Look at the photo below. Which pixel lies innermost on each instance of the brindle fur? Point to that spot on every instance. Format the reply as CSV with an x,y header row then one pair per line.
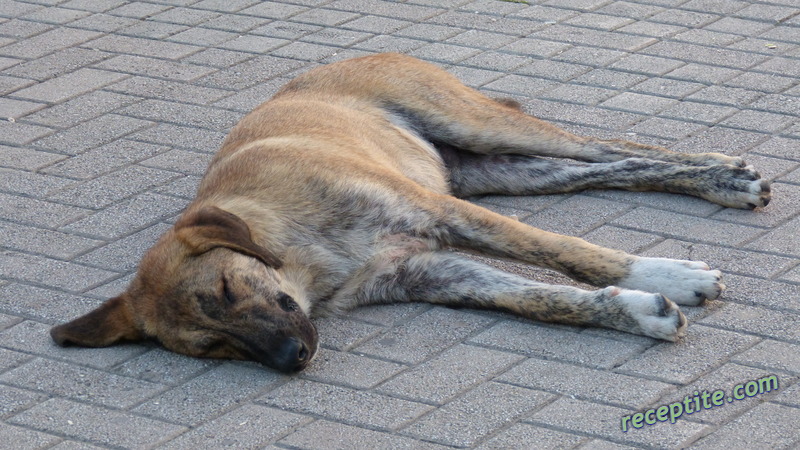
x,y
341,191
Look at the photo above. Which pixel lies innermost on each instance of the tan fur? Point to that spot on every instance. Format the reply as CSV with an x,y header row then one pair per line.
x,y
339,192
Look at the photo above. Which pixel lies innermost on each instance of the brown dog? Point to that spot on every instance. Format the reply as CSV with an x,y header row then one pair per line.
x,y
339,192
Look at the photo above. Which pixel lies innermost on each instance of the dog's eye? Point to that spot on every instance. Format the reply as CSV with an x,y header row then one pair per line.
x,y
228,295
287,303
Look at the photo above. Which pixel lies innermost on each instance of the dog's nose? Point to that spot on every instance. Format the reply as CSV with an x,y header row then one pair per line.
x,y
294,355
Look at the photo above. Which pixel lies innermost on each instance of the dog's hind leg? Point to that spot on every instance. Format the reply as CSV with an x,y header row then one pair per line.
x,y
472,174
450,279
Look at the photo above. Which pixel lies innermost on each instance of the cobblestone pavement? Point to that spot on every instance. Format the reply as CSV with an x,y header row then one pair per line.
x,y
111,109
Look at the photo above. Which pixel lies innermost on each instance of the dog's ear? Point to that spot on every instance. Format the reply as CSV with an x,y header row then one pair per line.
x,y
107,325
212,227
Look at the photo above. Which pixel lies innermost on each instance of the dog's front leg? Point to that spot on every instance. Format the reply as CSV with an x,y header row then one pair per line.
x,y
447,278
476,229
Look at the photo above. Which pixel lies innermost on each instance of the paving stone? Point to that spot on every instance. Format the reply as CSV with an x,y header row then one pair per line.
x,y
43,304
26,159
698,112
760,292
29,183
142,47
440,379
191,163
583,115
45,242
164,367
250,73
770,243
768,425
621,239
93,133
128,216
24,438
789,396
522,435
325,435
761,321
553,70
348,369
576,215
759,121
111,187
556,343
81,384
699,72
729,141
353,407
471,417
183,114
224,5
69,85
487,22
8,360
50,272
17,108
104,159
185,187
207,396
666,128
652,29
687,227
124,254
430,333
138,10
17,134
584,36
7,321
342,334
522,85
47,42
585,383
236,23
177,136
98,425
81,108
36,212
702,344
606,421
772,355
17,28
249,426
103,22
13,400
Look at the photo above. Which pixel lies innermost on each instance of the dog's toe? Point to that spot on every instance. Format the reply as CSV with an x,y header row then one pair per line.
x,y
684,282
652,315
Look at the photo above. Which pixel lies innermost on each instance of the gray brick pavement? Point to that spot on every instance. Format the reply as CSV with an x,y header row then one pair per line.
x,y
110,110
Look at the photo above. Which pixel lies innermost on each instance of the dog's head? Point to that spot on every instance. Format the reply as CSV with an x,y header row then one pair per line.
x,y
207,290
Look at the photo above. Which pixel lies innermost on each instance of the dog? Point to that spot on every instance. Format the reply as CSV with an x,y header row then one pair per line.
x,y
345,189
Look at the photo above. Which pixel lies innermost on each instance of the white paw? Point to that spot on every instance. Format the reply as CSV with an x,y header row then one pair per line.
x,y
652,314
683,282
